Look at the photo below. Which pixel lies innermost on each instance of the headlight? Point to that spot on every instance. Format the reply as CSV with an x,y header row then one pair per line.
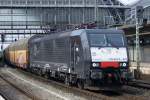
x,y
95,64
123,64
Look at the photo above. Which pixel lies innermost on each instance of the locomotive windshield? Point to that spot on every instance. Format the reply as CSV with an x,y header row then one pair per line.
x,y
97,39
106,40
115,40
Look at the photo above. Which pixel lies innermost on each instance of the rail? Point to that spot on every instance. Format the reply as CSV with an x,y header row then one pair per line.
x,y
89,94
27,93
140,84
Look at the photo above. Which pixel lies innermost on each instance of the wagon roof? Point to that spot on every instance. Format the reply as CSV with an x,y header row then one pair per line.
x,y
21,43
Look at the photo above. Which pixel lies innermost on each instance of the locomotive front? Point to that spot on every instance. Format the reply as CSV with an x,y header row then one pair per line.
x,y
109,57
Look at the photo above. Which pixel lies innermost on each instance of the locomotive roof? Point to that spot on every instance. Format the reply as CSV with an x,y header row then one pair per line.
x,y
96,31
112,31
78,32
20,43
75,33
67,34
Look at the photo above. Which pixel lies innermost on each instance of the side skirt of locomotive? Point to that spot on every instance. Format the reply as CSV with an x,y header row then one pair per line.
x,y
68,78
105,83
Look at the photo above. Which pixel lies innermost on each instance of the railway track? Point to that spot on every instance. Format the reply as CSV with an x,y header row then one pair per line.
x,y
87,94
140,84
22,91
90,95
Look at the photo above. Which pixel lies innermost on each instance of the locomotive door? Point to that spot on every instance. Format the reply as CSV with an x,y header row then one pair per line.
x,y
76,54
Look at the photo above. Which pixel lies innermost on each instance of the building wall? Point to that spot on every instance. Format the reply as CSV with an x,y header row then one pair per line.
x,y
20,17
144,53
32,16
19,13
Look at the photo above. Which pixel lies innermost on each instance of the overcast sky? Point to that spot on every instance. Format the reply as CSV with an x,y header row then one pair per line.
x,y
129,2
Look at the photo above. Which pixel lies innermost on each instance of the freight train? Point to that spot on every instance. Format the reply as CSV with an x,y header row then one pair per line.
x,y
85,57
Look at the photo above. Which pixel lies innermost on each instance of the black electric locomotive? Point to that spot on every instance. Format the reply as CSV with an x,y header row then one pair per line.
x,y
86,57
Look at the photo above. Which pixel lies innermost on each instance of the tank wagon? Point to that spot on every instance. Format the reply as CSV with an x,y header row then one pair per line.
x,y
86,57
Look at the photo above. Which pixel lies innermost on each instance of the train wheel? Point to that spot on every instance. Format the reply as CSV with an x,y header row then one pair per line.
x,y
28,70
80,84
67,81
45,75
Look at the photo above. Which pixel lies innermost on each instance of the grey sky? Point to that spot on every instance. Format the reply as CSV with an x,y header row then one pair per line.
x,y
128,2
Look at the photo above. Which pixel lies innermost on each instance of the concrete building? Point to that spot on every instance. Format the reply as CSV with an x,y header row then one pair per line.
x,y
130,13
25,17
145,37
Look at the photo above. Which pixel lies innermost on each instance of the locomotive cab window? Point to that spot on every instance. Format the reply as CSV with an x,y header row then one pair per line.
x,y
115,40
106,40
97,40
